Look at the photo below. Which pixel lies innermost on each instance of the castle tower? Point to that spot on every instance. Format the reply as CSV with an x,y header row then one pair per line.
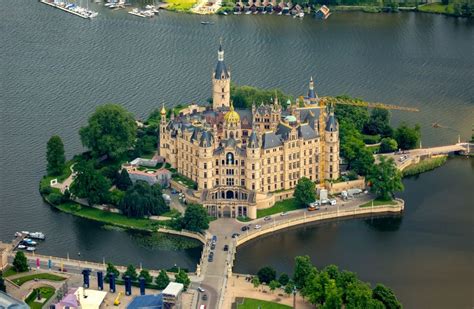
x,y
220,82
331,148
312,97
162,136
253,163
205,170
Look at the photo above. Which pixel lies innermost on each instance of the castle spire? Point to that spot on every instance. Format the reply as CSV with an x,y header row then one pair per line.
x,y
311,92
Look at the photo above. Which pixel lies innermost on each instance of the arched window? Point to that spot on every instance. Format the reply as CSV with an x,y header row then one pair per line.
x,y
230,158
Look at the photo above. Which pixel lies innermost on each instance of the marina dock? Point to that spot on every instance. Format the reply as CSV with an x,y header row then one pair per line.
x,y
81,12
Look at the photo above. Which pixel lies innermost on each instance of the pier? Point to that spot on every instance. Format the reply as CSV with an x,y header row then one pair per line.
x,y
83,13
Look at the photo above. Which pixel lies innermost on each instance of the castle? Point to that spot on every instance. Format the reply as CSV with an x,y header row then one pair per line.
x,y
243,159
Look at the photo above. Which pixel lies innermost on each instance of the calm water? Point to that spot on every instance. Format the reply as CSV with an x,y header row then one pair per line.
x,y
56,68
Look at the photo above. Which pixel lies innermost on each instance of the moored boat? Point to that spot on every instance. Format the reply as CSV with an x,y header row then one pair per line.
x,y
37,235
322,13
21,247
31,249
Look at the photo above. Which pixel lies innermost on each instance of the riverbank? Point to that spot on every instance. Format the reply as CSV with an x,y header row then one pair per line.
x,y
424,166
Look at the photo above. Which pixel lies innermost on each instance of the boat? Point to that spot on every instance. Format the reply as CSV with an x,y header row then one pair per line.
x,y
30,242
25,232
301,14
225,13
207,23
31,249
18,234
21,247
37,235
322,13
248,12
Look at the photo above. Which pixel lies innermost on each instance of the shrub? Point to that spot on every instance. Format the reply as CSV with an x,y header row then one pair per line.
x,y
55,198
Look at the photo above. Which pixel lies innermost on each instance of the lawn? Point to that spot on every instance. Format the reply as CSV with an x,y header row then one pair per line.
x,y
378,202
10,271
46,180
108,217
45,276
184,180
46,292
180,5
250,303
172,213
281,206
437,8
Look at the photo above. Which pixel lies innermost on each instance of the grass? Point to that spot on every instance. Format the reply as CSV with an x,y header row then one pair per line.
x,y
10,271
172,213
46,180
184,180
46,292
108,217
180,6
424,166
379,202
244,219
251,303
370,139
281,206
44,276
437,8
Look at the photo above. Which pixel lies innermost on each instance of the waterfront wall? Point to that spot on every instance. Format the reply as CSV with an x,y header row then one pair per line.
x,y
337,213
201,237
338,187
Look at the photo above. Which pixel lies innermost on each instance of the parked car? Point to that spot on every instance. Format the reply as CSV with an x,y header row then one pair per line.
x,y
213,246
324,201
244,228
226,248
201,290
235,235
267,218
332,202
204,297
257,226
283,213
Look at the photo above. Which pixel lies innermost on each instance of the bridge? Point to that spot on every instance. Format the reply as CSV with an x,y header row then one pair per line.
x,y
405,158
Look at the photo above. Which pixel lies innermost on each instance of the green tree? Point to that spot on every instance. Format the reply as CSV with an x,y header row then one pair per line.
x,y
123,180
284,278
305,192
385,179
315,287
266,274
303,268
145,274
90,184
245,96
356,115
20,263
143,200
378,123
274,284
112,269
359,296
406,137
131,272
195,218
388,144
290,287
111,131
386,296
55,156
182,277
332,297
145,145
255,282
358,157
162,280
3,288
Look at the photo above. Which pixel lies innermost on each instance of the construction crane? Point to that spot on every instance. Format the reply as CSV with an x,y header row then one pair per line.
x,y
331,101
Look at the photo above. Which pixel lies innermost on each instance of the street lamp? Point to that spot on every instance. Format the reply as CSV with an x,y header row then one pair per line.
x,y
294,297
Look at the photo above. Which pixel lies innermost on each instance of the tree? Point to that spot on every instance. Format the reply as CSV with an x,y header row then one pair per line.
x,y
162,280
255,282
20,263
363,162
305,192
195,218
112,269
111,131
274,284
89,183
55,156
385,179
3,287
266,274
143,200
283,279
386,296
123,180
356,115
245,96
290,287
358,157
303,268
406,137
388,144
182,277
379,123
131,272
332,296
145,274
359,296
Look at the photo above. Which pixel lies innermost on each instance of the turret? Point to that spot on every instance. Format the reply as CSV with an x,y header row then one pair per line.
x,y
205,169
220,82
331,148
253,163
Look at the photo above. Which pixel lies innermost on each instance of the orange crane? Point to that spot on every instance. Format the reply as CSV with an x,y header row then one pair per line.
x,y
325,101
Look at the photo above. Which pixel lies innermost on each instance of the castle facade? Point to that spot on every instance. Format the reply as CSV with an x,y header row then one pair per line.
x,y
241,159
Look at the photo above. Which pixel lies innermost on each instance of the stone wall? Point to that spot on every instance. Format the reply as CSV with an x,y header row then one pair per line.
x,y
338,187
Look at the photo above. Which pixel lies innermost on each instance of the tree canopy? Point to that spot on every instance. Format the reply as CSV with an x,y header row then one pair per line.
x,y
182,277
386,296
111,131
379,123
356,115
266,274
162,280
303,268
20,263
55,156
145,274
131,272
245,96
305,192
123,180
385,178
142,200
388,144
3,287
112,269
89,183
406,137
195,218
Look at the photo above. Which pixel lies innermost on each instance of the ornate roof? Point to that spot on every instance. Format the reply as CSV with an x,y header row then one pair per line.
x,y
331,124
221,69
232,116
253,140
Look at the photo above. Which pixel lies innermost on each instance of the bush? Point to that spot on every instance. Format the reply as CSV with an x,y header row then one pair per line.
x,y
55,198
46,190
266,274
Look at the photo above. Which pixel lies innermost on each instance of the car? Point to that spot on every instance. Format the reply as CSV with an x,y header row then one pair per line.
x,y
226,248
214,237
201,290
284,213
210,259
257,226
235,235
267,218
204,297
332,202
173,191
211,253
213,246
244,228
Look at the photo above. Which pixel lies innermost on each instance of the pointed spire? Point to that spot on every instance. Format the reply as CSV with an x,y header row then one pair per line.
x,y
311,92
163,110
220,52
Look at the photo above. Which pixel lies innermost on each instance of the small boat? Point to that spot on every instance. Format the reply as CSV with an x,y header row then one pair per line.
x,y
31,249
30,242
21,247
322,13
225,13
25,232
301,14
207,23
280,13
248,12
18,234
37,235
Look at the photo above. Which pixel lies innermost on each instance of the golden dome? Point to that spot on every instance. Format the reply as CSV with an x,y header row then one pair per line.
x,y
163,110
232,116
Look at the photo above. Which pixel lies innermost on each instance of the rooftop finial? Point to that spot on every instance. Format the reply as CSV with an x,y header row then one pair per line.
x,y
220,53
163,110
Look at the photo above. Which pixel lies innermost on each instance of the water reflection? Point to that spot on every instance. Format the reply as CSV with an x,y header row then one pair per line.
x,y
390,223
